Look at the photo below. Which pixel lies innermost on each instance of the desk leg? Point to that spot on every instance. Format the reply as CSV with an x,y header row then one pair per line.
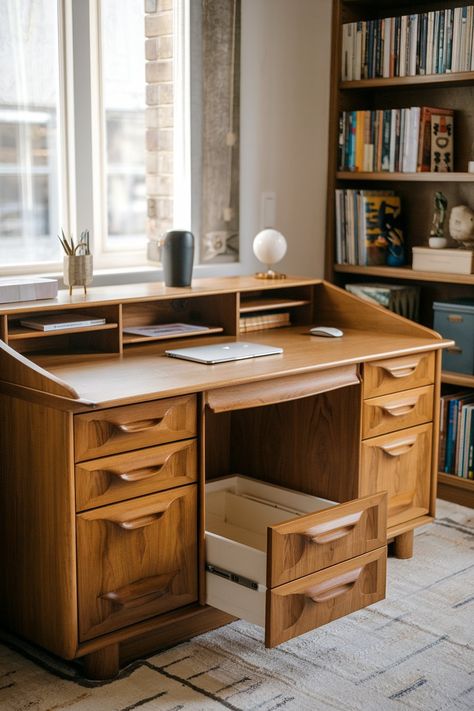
x,y
103,663
403,545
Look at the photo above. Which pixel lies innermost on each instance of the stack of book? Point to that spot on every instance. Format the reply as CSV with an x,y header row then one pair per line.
x,y
456,448
264,321
436,42
368,228
415,139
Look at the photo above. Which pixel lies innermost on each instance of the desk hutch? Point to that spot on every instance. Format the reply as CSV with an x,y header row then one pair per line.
x,y
108,449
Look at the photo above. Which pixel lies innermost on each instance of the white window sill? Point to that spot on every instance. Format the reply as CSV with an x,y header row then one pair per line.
x,y
149,273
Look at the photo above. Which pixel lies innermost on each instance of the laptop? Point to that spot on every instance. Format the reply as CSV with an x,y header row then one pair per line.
x,y
224,352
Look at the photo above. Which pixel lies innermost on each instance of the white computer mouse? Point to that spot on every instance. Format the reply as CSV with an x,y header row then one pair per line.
x,y
326,331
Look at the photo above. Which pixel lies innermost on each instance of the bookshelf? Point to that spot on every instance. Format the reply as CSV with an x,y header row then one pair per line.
x,y
453,90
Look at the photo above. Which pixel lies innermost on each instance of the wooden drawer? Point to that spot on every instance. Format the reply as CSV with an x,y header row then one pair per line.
x,y
121,429
397,411
315,600
260,536
394,374
399,463
136,559
125,476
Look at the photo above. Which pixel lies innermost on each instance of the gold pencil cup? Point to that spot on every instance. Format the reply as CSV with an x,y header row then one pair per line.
x,y
77,271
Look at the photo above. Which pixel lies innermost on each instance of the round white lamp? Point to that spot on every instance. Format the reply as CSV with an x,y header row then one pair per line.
x,y
269,246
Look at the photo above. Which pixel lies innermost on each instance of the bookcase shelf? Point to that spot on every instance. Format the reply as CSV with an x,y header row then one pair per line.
x,y
405,273
426,80
456,489
406,177
128,338
461,379
247,306
416,190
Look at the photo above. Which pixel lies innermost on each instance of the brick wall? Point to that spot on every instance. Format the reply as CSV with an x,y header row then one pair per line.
x,y
159,118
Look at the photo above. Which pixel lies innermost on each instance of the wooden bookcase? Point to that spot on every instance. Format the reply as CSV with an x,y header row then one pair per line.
x,y
454,90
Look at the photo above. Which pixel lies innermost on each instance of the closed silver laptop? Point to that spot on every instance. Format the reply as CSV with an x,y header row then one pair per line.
x,y
224,352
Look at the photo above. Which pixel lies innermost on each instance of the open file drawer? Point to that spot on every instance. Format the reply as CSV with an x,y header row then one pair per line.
x,y
289,561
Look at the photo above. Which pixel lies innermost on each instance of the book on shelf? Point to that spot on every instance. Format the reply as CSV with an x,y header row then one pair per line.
x,y
163,330
263,321
456,451
57,322
406,140
368,228
441,143
435,42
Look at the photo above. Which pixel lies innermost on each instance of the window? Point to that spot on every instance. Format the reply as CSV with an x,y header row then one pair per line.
x,y
123,93
30,160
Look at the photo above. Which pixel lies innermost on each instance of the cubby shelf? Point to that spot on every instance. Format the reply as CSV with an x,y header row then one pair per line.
x,y
16,333
461,379
128,338
250,305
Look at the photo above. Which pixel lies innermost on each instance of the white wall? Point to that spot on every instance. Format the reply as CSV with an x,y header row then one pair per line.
x,y
285,65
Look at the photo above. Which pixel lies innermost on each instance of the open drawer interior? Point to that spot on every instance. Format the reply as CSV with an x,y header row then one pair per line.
x,y
262,539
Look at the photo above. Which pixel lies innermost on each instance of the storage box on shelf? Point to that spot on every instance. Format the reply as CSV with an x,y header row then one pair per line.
x,y
385,88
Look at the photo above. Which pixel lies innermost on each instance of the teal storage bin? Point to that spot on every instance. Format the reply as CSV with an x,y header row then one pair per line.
x,y
455,319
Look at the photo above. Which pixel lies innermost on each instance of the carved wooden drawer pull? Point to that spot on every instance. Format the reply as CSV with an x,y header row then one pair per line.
x,y
395,449
146,520
140,426
141,591
139,474
401,408
401,371
335,587
333,530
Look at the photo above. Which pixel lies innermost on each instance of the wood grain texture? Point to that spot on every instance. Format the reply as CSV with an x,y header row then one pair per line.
x,y
17,369
397,411
292,387
126,476
394,374
309,543
121,429
310,445
136,559
399,463
315,600
459,491
38,598
340,308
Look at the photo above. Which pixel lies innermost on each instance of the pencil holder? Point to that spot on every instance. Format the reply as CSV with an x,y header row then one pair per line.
x,y
77,271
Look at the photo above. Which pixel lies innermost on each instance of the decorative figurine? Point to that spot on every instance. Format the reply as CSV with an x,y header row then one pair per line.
x,y
437,239
461,225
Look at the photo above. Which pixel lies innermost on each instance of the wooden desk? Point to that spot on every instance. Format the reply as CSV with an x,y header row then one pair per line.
x,y
107,444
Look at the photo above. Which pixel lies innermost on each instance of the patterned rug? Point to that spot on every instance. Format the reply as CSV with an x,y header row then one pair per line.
x,y
414,650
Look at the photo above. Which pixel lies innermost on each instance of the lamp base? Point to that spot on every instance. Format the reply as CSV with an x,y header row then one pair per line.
x,y
270,274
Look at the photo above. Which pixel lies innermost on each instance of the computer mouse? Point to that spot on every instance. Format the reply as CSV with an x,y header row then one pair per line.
x,y
326,331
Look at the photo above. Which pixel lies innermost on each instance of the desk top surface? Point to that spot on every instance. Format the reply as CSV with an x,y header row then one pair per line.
x,y
146,373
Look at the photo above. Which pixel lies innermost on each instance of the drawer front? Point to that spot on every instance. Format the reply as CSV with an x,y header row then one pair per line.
x,y
136,559
397,411
310,543
399,463
121,429
315,600
126,476
394,374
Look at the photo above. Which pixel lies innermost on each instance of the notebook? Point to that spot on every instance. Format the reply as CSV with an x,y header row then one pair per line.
x,y
224,352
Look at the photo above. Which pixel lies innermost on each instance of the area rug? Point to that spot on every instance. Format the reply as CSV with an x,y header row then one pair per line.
x,y
414,650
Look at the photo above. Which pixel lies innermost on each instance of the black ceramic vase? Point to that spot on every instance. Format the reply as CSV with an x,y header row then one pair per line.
x,y
177,257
